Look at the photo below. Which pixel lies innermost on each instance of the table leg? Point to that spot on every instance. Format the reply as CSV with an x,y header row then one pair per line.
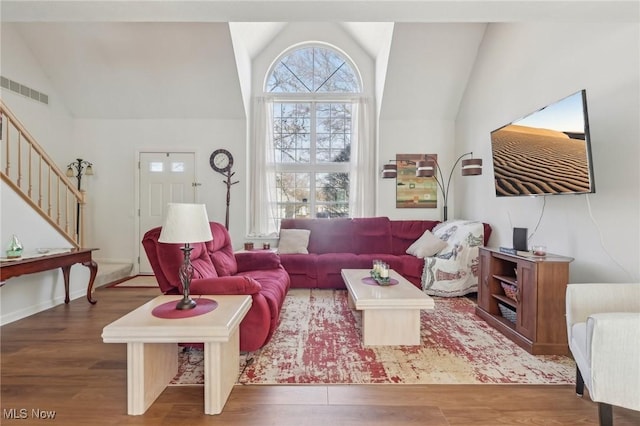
x,y
66,270
221,360
150,368
391,327
93,269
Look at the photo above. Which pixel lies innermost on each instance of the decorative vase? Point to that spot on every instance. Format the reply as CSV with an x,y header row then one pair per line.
x,y
14,249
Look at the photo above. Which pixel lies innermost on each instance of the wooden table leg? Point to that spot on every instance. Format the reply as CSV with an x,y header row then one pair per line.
x,y
93,268
150,368
220,372
65,273
391,327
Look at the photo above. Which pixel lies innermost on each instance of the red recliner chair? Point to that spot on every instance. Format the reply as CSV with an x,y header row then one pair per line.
x,y
218,271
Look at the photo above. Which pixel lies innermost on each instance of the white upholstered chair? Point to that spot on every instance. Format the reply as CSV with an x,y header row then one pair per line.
x,y
603,326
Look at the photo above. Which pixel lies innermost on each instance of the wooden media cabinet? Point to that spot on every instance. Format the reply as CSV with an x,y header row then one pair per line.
x,y
523,296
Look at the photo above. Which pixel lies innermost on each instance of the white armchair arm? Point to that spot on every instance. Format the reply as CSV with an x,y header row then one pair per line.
x,y
614,342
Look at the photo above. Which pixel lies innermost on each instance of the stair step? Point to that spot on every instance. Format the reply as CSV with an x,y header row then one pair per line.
x,y
109,272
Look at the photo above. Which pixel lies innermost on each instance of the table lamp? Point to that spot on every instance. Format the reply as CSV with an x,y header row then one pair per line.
x,y
186,223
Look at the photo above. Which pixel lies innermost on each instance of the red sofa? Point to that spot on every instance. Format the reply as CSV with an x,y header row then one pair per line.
x,y
217,270
336,244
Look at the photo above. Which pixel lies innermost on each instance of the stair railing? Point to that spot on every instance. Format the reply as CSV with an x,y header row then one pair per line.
x,y
27,168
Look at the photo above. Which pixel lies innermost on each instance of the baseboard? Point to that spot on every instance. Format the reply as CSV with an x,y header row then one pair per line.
x,y
112,260
43,306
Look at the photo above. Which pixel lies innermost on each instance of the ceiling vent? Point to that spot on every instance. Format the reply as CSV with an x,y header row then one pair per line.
x,y
23,90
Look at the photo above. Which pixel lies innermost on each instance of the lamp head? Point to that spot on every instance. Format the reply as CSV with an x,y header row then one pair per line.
x,y
69,171
426,168
390,171
472,167
185,223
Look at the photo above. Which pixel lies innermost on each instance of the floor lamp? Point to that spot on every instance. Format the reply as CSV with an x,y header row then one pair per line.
x,y
186,224
431,168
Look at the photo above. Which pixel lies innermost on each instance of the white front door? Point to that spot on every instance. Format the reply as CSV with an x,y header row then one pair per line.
x,y
165,177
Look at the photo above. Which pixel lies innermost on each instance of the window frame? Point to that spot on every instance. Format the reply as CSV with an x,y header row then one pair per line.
x,y
313,98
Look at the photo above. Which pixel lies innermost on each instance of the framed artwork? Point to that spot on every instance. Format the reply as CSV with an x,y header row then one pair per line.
x,y
414,192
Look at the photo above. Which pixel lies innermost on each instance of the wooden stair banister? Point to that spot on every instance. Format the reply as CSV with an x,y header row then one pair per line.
x,y
35,177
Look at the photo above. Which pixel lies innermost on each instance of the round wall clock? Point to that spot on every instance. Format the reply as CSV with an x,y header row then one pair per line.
x,y
221,160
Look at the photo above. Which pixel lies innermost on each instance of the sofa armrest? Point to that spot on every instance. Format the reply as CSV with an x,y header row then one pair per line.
x,y
225,285
583,300
614,341
257,260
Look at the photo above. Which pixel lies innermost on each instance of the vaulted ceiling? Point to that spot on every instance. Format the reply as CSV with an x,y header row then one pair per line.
x,y
175,59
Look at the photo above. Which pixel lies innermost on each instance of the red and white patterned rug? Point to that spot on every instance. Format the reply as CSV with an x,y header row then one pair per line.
x,y
318,341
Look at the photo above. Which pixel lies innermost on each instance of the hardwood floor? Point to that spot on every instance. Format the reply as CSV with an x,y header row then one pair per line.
x,y
55,361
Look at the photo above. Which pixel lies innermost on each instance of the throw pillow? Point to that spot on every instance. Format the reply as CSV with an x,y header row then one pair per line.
x,y
293,241
426,246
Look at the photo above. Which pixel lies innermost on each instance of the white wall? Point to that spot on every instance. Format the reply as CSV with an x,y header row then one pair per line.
x,y
115,146
413,137
522,67
51,126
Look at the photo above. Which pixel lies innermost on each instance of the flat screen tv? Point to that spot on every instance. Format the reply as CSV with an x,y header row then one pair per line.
x,y
547,152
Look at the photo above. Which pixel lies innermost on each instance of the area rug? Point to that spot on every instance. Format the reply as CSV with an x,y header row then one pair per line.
x,y
318,341
139,281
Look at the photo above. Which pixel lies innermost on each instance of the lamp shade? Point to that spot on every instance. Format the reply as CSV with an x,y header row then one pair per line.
x,y
426,168
186,223
472,167
390,171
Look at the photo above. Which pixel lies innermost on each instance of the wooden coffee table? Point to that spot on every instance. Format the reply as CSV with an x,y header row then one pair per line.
x,y
152,350
390,314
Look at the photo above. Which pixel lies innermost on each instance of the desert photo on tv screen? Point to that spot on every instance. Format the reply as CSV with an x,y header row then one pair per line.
x,y
544,153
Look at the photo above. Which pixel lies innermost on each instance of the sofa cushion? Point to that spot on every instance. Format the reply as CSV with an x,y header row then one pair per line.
x,y
371,235
327,235
300,264
257,260
427,245
171,258
224,262
406,232
220,251
330,266
294,241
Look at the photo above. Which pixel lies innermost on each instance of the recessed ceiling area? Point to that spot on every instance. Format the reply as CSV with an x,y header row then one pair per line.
x,y
164,59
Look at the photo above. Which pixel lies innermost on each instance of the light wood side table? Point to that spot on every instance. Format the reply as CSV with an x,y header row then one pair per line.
x,y
152,350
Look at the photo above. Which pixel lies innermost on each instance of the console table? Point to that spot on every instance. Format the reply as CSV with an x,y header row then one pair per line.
x,y
46,262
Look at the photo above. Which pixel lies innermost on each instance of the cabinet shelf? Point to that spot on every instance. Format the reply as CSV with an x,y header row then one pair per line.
x,y
506,300
507,279
539,326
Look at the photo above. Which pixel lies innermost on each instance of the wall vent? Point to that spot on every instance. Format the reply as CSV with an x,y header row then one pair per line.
x,y
23,90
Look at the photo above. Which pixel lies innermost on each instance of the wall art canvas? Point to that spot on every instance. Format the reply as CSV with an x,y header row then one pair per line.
x,y
414,192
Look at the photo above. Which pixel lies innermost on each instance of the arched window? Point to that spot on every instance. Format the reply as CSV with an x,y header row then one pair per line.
x,y
313,90
313,70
